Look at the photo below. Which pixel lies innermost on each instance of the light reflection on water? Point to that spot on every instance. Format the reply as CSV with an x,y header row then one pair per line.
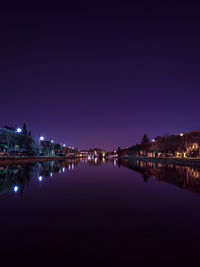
x,y
16,178
99,211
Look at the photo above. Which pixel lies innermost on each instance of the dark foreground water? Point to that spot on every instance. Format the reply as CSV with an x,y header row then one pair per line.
x,y
98,213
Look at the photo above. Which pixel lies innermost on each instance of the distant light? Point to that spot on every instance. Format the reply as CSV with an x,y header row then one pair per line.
x,y
40,178
51,174
19,130
64,145
63,169
51,141
181,134
153,140
41,138
16,188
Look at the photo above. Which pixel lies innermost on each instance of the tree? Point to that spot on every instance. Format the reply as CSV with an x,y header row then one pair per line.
x,y
24,130
144,140
119,151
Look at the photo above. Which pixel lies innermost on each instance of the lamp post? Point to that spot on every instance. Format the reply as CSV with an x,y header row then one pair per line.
x,y
40,139
18,131
52,146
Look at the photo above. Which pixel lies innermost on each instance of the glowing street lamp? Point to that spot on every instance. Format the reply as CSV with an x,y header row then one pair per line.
x,y
52,141
181,134
41,138
153,140
18,130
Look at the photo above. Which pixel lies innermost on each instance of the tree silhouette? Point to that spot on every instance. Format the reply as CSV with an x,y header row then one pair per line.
x,y
144,140
25,132
119,151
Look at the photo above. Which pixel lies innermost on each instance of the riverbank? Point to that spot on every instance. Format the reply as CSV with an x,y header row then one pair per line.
x,y
191,162
26,160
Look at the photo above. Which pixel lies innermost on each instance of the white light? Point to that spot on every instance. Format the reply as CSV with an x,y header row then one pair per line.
x,y
16,188
19,130
41,138
181,134
153,140
51,174
40,178
63,169
64,145
51,141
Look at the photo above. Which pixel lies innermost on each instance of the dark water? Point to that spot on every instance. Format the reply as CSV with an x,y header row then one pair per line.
x,y
99,213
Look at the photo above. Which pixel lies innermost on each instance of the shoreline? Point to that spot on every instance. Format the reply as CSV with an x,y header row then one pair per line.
x,y
27,160
190,162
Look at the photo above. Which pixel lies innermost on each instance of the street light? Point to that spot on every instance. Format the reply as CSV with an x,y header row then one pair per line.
x,y
52,147
181,134
153,140
18,130
41,138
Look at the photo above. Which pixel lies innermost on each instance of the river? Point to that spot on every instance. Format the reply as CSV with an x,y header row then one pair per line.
x,y
99,213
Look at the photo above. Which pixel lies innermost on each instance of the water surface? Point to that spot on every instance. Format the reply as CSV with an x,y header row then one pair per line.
x,y
100,213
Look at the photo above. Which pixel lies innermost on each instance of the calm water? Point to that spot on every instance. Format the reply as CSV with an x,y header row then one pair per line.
x,y
99,213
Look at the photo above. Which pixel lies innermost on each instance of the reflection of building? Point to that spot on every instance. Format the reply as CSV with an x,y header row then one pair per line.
x,y
181,176
16,178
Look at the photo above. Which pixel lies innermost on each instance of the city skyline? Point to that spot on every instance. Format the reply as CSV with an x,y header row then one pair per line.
x,y
100,75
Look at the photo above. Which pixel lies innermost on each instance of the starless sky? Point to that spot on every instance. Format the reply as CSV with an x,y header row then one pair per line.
x,y
100,74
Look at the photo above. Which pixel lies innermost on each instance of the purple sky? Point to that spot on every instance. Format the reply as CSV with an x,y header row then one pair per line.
x,y
95,74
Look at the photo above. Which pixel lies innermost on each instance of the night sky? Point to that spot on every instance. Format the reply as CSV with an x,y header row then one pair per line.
x,y
100,74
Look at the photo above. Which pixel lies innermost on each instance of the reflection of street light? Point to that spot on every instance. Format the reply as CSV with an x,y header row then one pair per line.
x,y
40,178
64,145
16,188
